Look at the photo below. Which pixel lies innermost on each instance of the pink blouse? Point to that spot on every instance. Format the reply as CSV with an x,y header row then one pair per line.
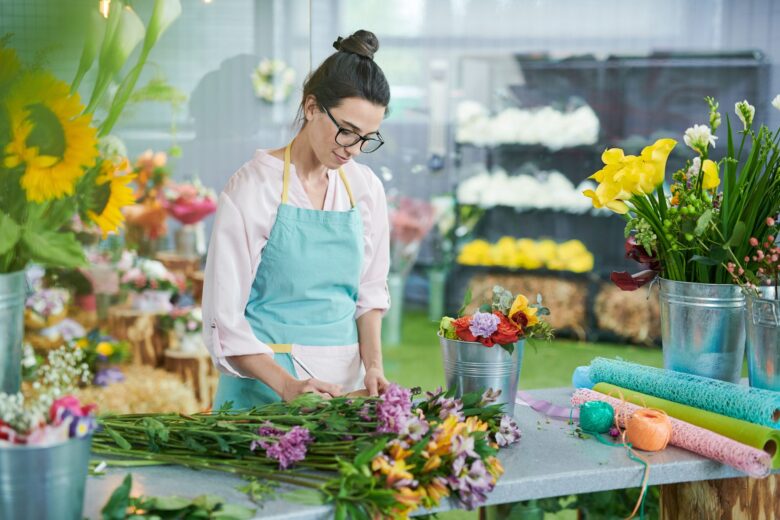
x,y
245,214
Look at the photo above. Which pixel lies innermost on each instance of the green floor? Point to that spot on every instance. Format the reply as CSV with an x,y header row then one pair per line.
x,y
417,362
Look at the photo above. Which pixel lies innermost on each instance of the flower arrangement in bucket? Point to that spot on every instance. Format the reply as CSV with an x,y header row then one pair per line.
x,y
190,203
689,234
152,285
185,325
758,273
484,350
45,437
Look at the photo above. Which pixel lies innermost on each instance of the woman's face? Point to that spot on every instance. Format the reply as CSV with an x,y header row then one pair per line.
x,y
355,114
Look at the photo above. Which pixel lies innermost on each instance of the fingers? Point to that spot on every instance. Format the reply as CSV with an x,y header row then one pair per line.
x,y
372,385
321,387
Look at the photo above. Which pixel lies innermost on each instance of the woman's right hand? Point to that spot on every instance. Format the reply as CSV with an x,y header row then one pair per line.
x,y
295,387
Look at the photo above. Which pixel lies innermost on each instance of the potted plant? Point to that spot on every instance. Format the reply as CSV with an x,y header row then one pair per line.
x,y
484,350
686,235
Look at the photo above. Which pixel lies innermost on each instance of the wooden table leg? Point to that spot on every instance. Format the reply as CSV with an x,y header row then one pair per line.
x,y
724,499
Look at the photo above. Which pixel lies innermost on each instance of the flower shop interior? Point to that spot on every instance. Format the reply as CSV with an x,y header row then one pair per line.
x,y
582,274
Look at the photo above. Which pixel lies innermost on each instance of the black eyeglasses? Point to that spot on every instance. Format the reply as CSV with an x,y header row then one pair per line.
x,y
346,137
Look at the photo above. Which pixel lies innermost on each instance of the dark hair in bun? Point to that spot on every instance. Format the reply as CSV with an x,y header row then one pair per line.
x,y
349,72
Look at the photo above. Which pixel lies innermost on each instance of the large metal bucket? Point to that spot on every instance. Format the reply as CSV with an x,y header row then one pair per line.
x,y
13,290
763,339
473,367
44,483
703,329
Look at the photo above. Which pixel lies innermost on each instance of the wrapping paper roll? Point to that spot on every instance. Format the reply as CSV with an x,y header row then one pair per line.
x,y
745,432
740,402
747,459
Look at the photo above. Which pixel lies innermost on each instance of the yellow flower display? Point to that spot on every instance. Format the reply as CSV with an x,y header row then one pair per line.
x,y
711,179
525,253
49,136
113,193
624,176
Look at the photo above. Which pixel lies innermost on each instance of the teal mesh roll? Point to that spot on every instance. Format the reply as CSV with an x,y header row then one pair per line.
x,y
741,402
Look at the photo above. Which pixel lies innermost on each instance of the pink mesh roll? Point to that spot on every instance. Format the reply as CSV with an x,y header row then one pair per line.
x,y
752,461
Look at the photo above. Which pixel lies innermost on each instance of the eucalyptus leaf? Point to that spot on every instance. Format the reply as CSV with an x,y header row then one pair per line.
x,y
703,222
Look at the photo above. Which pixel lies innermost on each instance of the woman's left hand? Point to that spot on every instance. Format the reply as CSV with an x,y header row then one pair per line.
x,y
375,381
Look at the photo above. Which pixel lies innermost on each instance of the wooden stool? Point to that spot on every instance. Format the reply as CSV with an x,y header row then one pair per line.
x,y
196,282
148,343
195,369
179,264
726,498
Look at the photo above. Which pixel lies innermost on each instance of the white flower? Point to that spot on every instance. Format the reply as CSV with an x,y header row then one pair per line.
x,y
265,67
695,168
699,137
154,269
745,112
776,102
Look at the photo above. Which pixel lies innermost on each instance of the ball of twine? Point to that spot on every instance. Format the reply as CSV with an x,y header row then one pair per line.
x,y
649,429
596,416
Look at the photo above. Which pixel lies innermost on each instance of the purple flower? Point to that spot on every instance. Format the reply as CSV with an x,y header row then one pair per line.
x,y
508,431
483,324
463,446
82,426
489,397
415,428
449,406
394,409
289,448
365,413
108,376
472,483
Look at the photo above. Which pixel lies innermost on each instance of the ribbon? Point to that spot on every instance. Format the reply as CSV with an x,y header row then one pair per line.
x,y
547,408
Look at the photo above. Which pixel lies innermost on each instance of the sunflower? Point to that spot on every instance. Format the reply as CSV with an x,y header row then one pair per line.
x,y
111,194
49,135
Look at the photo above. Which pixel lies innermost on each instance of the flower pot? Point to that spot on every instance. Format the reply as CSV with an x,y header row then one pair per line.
x,y
763,339
44,482
13,289
190,240
152,300
473,367
703,329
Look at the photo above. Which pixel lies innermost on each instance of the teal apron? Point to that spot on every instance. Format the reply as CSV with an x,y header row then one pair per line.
x,y
305,290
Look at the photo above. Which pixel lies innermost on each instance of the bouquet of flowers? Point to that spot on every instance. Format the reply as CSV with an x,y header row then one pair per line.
x,y
691,232
273,80
504,321
189,203
49,415
150,274
410,221
52,168
370,457
101,353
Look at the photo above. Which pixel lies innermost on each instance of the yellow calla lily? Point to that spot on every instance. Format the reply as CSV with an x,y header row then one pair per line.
x,y
711,179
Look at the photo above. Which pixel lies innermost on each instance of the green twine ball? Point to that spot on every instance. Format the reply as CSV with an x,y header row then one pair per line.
x,y
596,416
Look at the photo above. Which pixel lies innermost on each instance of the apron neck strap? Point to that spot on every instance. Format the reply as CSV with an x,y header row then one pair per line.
x,y
286,177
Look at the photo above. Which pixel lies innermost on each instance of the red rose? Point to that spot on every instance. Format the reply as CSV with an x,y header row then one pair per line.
x,y
507,332
462,329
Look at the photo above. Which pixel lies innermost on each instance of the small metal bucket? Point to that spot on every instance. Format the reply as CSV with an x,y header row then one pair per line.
x,y
44,482
763,339
703,329
13,290
473,367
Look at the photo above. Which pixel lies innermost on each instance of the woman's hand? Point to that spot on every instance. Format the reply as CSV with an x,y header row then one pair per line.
x,y
375,381
294,387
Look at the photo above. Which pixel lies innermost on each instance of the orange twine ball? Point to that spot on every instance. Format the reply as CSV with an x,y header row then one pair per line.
x,y
648,429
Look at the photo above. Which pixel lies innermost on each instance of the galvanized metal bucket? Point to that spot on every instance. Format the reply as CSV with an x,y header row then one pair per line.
x,y
13,290
473,367
703,329
44,482
763,339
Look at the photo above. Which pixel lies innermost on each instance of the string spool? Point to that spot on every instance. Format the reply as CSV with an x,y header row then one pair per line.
x,y
649,429
596,416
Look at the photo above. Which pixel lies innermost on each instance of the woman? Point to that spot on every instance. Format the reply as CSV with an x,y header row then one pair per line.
x,y
295,284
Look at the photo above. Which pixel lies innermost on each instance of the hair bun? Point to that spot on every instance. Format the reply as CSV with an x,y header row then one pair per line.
x,y
363,43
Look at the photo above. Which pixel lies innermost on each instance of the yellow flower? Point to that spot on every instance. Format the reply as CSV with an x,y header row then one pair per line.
x,y
494,466
473,424
82,343
437,490
521,314
111,194
105,348
711,179
475,253
41,108
624,176
398,471
431,464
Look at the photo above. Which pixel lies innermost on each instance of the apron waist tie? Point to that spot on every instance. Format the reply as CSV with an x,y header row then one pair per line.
x,y
281,348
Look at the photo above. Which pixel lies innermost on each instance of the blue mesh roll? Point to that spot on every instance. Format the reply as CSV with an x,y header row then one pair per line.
x,y
741,402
